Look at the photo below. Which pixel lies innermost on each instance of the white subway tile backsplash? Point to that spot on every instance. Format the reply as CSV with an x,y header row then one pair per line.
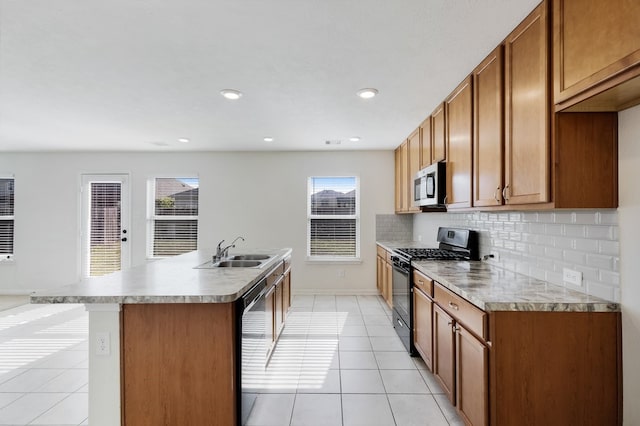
x,y
586,245
602,290
608,218
586,218
541,244
601,262
574,257
609,247
601,232
578,231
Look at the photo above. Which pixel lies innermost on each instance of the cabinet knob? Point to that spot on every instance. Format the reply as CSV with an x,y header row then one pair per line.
x,y
453,306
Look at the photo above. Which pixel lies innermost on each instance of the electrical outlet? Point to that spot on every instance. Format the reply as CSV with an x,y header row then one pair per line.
x,y
103,346
572,277
419,237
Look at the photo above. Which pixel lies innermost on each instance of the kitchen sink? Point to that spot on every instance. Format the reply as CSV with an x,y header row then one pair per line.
x,y
238,263
249,257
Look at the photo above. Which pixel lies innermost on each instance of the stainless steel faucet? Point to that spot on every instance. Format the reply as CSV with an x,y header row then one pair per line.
x,y
222,252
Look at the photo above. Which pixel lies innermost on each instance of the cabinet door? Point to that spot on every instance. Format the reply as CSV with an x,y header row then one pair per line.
x,y
380,273
594,41
438,140
459,107
425,143
286,294
413,159
488,141
398,180
279,308
472,371
527,166
423,326
388,284
270,320
443,351
404,188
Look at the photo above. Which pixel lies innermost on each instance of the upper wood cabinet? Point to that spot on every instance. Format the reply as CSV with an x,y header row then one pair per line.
x,y
459,124
398,179
425,143
527,148
438,135
596,46
488,136
413,158
407,162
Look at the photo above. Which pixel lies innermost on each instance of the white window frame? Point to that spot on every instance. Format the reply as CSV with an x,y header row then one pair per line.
x,y
151,208
356,216
9,257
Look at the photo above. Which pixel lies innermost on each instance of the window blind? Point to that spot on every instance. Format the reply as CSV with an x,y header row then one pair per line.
x,y
104,228
333,228
7,205
174,221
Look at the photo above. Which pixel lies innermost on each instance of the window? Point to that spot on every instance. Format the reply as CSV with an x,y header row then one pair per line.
x,y
333,223
7,189
173,219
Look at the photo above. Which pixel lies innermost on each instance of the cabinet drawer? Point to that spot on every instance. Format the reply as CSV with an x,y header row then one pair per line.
x,y
388,257
463,311
287,263
423,282
382,252
275,273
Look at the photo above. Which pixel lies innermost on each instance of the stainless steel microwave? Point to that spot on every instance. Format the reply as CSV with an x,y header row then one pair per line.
x,y
429,185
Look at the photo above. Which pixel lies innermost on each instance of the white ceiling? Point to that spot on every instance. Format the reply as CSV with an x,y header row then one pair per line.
x,y
136,75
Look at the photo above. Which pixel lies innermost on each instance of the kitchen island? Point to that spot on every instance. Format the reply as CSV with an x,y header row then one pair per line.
x,y
163,339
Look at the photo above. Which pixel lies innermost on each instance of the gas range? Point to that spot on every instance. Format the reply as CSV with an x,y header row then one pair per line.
x,y
432,254
454,244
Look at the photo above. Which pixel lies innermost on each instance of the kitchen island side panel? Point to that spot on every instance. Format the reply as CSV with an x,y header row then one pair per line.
x,y
178,364
555,368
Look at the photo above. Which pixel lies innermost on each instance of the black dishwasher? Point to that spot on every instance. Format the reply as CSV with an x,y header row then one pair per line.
x,y
252,327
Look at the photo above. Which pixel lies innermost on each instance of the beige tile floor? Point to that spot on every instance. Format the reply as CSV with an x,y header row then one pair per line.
x,y
43,365
338,362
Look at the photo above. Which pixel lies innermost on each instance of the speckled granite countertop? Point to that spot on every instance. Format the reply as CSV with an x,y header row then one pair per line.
x,y
172,280
492,288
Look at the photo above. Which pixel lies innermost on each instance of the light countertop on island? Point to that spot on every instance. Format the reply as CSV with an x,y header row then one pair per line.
x,y
172,280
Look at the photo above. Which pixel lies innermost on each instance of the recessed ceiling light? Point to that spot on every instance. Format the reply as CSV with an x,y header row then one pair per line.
x,y
354,139
231,94
268,139
367,93
183,140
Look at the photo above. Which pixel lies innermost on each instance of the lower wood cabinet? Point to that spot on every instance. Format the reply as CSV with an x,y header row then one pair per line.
x,y
444,361
522,367
472,374
423,317
384,270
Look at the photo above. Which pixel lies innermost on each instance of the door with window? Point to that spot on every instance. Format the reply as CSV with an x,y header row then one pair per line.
x,y
105,224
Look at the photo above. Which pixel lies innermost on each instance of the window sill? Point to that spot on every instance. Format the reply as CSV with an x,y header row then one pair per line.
x,y
340,260
4,260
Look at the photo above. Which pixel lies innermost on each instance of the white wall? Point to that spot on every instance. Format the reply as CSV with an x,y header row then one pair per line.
x,y
629,219
261,196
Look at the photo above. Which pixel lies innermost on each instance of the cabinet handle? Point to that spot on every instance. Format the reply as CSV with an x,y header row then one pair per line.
x,y
450,323
456,329
453,306
504,194
445,200
495,194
